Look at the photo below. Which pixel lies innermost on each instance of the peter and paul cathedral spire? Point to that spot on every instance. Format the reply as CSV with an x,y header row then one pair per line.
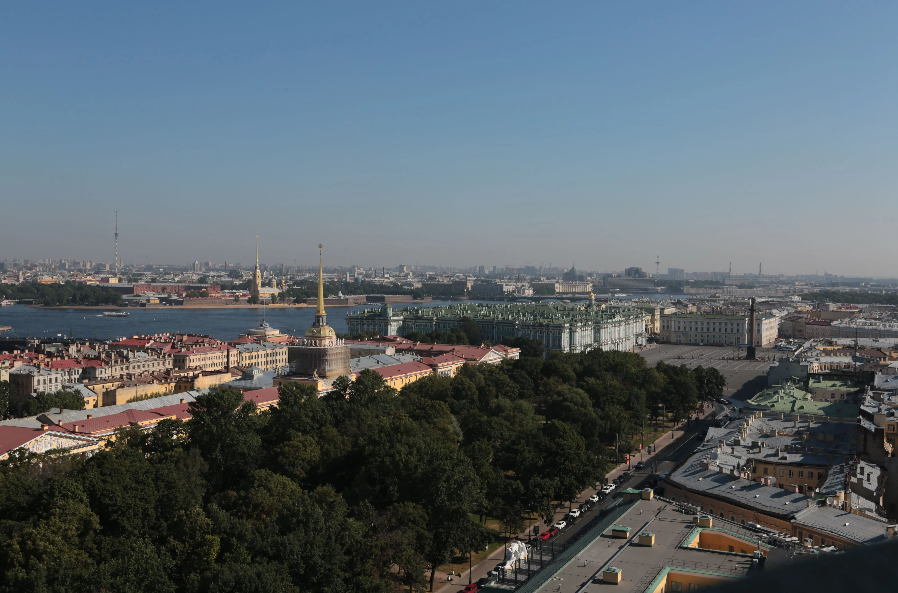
x,y
255,287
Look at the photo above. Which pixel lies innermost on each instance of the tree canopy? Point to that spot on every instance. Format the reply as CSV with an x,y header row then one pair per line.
x,y
358,490
57,295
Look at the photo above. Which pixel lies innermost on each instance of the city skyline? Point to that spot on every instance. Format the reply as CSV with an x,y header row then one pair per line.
x,y
606,134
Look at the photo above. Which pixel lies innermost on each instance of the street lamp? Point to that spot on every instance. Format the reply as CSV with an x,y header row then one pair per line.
x,y
470,565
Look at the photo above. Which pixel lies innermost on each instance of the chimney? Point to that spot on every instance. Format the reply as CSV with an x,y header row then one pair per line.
x,y
45,426
76,428
182,400
89,416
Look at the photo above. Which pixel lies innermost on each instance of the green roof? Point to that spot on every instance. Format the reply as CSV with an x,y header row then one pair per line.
x,y
547,312
791,399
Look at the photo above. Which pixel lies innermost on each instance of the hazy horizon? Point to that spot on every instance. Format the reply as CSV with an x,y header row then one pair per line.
x,y
460,134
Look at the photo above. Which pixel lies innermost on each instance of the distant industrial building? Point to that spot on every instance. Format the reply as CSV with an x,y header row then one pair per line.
x,y
676,274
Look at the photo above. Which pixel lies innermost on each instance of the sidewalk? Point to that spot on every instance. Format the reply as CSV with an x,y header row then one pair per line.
x,y
481,569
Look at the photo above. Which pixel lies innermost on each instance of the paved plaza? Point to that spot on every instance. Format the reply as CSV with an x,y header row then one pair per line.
x,y
745,378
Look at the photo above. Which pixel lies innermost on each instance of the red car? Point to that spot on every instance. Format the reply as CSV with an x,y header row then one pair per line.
x,y
472,588
545,535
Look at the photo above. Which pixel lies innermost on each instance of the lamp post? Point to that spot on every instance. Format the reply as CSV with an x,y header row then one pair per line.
x,y
470,565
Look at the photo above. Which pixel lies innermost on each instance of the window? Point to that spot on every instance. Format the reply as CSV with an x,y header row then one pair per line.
x,y
800,473
765,471
782,473
790,473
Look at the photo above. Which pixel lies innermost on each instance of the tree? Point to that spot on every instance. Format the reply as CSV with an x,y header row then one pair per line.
x,y
64,398
710,383
472,331
530,347
6,396
681,390
225,429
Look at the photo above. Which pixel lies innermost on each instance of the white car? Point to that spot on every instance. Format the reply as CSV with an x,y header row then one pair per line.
x,y
594,498
608,488
574,513
560,525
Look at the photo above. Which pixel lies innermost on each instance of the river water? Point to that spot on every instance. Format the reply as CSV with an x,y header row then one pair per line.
x,y
224,324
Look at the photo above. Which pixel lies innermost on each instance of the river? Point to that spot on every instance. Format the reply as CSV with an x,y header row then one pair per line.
x,y
224,323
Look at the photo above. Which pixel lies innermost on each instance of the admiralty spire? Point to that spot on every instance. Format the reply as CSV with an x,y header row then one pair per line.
x,y
320,352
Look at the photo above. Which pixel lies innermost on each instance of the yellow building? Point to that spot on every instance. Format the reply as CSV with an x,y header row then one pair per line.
x,y
400,375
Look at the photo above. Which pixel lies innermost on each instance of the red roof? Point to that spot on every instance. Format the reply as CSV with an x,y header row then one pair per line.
x,y
93,363
112,421
406,368
12,437
443,359
64,364
179,411
132,342
262,397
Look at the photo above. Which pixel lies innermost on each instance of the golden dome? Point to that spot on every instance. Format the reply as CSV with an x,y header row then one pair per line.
x,y
321,331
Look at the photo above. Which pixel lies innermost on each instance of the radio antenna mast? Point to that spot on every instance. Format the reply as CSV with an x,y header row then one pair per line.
x,y
116,243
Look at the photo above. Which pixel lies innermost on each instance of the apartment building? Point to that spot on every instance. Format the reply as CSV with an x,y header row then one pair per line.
x,y
268,356
207,358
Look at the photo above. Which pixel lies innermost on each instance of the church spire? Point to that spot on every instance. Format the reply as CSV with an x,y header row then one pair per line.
x,y
257,252
320,310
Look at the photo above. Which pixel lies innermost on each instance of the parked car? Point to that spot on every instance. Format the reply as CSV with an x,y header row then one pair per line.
x,y
545,535
553,530
640,465
472,588
574,513
594,498
560,525
608,488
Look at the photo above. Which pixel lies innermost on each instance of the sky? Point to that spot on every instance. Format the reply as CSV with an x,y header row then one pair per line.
x,y
453,133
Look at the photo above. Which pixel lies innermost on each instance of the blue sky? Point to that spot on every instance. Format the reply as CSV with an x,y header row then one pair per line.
x,y
457,133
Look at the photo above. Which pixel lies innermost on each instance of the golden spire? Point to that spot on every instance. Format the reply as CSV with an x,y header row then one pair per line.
x,y
257,251
320,310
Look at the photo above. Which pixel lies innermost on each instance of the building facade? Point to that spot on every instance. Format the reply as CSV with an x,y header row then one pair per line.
x,y
717,330
560,327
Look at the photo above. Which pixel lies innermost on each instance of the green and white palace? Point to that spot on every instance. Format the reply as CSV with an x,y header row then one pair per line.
x,y
560,327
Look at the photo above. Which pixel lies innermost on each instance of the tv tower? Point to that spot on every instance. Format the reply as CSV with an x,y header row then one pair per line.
x,y
116,243
657,266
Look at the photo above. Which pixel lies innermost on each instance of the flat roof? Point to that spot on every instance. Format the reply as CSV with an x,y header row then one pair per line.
x,y
640,565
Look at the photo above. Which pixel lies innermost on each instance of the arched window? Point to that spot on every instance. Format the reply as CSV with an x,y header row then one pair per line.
x,y
721,514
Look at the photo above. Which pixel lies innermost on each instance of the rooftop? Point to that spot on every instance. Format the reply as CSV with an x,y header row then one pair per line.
x,y
638,565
